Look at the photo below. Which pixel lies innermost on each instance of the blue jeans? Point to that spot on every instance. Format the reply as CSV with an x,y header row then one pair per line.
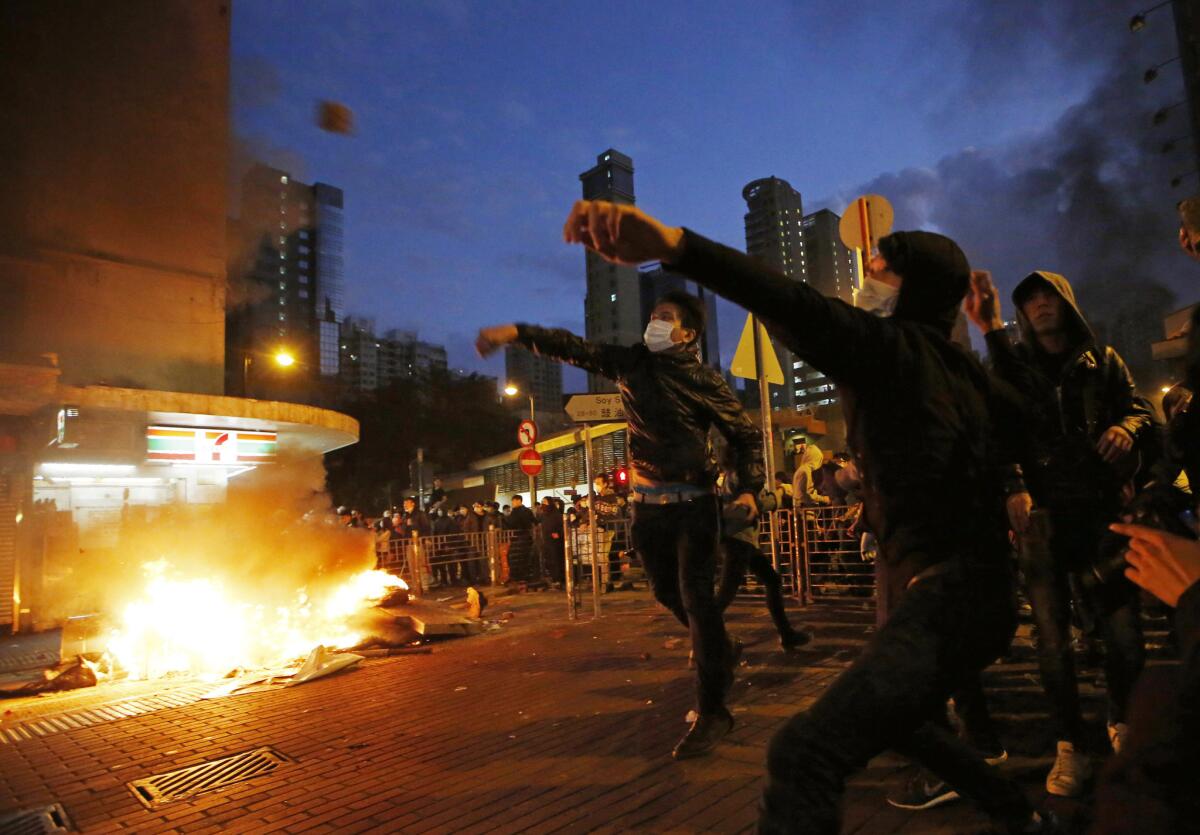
x,y
943,632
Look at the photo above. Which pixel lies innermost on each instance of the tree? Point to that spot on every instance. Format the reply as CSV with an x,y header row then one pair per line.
x,y
455,419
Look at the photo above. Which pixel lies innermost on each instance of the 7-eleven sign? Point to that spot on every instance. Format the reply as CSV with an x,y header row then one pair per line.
x,y
217,447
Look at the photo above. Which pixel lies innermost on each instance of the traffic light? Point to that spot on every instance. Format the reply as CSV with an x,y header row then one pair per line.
x,y
620,481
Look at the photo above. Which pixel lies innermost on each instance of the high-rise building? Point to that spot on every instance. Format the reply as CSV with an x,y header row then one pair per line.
x,y
828,265
535,375
613,305
369,361
775,236
286,268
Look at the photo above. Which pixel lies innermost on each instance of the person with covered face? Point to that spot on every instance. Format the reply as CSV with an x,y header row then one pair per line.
x,y
1086,417
671,401
905,385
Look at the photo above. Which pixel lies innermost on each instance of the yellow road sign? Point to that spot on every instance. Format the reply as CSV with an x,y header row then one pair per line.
x,y
743,358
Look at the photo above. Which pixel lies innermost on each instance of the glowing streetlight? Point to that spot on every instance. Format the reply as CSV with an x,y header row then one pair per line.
x,y
284,360
511,390
1165,389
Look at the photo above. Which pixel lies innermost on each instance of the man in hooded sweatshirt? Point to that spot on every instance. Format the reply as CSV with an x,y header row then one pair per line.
x,y
1086,417
671,400
905,386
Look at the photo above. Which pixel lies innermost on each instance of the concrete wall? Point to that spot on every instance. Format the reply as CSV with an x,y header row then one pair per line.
x,y
112,213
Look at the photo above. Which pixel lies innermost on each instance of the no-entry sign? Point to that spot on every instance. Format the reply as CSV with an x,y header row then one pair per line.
x,y
530,461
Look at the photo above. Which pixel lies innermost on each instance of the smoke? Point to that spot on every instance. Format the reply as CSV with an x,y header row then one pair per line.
x,y
273,536
1087,196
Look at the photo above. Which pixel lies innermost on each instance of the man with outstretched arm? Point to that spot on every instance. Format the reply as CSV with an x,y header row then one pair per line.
x,y
904,385
671,400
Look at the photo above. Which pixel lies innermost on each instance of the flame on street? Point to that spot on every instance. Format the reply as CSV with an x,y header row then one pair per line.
x,y
201,627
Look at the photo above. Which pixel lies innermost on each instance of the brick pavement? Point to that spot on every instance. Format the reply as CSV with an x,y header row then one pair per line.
x,y
542,726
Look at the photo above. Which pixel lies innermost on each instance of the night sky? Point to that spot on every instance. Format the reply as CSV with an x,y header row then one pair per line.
x,y
1019,127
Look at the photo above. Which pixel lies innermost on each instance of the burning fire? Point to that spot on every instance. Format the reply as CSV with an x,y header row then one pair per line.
x,y
200,626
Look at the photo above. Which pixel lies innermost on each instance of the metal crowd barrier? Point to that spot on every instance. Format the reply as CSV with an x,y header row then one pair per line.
x,y
777,541
456,559
616,560
832,567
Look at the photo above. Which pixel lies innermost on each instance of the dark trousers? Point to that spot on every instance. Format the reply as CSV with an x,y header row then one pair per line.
x,y
1056,544
678,546
741,555
943,631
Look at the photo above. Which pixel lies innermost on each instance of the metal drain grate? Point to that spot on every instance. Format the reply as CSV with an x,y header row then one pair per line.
x,y
188,782
40,821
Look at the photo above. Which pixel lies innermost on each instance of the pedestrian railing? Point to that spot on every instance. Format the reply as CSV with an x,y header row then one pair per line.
x,y
832,566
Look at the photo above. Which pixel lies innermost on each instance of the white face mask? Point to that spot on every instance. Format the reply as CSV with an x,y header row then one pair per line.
x,y
877,297
658,335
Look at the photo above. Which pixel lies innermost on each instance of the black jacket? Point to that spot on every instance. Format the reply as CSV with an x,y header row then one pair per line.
x,y
924,417
520,519
671,399
1069,407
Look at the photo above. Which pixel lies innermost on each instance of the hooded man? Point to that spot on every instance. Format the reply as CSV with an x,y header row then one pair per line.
x,y
1085,418
905,386
671,401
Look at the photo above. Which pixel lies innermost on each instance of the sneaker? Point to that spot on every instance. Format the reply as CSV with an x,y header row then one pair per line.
x,y
1070,772
703,736
1116,736
996,757
923,791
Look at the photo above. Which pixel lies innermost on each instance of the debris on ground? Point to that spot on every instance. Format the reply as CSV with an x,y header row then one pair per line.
x,y
673,643
476,602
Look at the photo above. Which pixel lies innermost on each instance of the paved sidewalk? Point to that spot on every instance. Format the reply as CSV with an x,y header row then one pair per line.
x,y
542,726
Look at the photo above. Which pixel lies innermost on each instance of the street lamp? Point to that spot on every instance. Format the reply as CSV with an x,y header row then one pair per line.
x,y
1138,22
511,390
1152,73
1162,113
282,358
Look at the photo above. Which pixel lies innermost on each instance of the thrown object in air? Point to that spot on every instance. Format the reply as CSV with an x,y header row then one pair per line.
x,y
335,117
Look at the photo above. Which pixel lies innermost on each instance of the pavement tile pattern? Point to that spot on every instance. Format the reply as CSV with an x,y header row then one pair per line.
x,y
545,725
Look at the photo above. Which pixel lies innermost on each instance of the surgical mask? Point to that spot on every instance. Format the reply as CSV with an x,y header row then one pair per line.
x,y
658,335
877,297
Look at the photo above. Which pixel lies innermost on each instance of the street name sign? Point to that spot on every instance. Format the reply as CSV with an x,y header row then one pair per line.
x,y
595,408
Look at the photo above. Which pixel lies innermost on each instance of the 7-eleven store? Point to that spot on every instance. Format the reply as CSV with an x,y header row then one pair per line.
x,y
75,462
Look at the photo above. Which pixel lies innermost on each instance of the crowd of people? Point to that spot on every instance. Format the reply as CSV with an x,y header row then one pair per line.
x,y
1044,470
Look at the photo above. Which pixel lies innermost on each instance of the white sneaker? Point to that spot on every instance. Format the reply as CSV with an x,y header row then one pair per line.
x,y
1070,772
1116,736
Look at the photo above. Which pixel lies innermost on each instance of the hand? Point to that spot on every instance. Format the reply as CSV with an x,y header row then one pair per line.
x,y
747,500
492,339
1019,506
982,304
620,233
1114,444
1163,564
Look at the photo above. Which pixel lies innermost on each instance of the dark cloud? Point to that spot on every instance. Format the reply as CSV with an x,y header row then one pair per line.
x,y
1087,196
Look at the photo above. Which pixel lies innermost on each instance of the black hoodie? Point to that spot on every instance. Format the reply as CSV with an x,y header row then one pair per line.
x,y
1073,398
925,419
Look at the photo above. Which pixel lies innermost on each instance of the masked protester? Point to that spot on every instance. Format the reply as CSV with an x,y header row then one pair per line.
x,y
671,400
1086,418
905,385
